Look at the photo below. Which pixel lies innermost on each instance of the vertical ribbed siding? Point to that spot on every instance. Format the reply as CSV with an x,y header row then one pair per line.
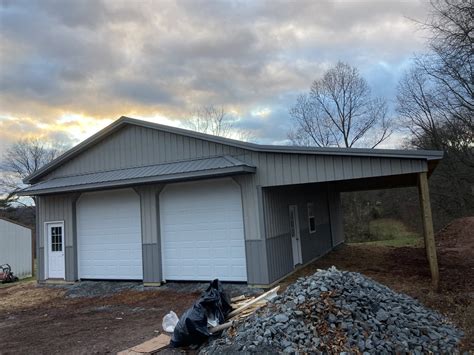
x,y
39,250
336,216
249,205
151,240
280,256
134,146
53,209
278,243
257,269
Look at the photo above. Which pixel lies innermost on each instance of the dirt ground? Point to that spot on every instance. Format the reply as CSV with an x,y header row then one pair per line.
x,y
43,320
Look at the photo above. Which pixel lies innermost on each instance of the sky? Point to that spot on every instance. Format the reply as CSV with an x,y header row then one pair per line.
x,y
70,68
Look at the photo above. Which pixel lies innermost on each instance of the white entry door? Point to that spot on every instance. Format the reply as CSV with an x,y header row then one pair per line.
x,y
202,231
295,235
55,242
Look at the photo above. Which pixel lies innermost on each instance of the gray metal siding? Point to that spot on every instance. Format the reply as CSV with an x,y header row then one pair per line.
x,y
276,206
152,263
336,216
70,259
250,207
280,257
316,244
134,146
274,169
256,256
151,240
52,209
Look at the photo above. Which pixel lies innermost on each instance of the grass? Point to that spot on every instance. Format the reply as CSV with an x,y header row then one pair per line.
x,y
391,233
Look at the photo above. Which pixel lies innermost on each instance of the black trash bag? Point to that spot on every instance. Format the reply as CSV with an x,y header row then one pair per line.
x,y
216,302
192,329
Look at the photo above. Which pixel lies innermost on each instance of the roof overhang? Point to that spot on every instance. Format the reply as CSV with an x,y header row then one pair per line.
x,y
428,155
161,173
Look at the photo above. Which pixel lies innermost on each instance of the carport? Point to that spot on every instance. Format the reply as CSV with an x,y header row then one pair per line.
x,y
407,180
320,228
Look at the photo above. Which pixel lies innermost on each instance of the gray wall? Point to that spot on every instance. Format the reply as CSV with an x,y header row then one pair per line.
x,y
151,237
134,146
58,208
278,242
336,216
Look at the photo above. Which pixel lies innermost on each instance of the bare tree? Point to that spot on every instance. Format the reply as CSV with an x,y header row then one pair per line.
x,y
20,160
450,63
218,122
211,120
436,96
435,101
340,111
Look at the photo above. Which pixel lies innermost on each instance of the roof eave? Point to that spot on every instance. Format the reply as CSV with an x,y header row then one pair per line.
x,y
219,172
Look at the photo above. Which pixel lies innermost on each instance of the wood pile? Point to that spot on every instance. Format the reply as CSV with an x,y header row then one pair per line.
x,y
244,307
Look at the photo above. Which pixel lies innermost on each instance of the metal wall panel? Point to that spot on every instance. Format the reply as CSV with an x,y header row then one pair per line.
x,y
152,263
134,146
149,212
250,206
280,257
70,258
52,209
276,206
16,248
40,261
316,244
256,256
336,216
151,241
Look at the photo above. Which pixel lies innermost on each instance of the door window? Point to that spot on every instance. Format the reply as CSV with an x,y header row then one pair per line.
x,y
56,238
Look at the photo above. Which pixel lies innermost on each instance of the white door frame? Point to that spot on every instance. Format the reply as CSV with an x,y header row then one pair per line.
x,y
46,241
295,234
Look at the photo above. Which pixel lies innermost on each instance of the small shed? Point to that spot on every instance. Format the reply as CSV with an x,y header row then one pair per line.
x,y
16,247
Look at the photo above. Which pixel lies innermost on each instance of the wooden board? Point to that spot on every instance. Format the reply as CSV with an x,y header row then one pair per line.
x,y
249,304
148,347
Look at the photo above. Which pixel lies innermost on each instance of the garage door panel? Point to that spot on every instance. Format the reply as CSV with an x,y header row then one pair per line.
x,y
109,235
202,231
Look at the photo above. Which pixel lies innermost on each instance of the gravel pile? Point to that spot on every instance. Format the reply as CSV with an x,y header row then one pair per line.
x,y
337,311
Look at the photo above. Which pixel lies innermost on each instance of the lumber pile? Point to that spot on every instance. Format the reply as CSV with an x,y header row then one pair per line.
x,y
243,307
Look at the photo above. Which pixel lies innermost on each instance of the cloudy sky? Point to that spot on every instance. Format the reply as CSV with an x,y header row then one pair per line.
x,y
69,68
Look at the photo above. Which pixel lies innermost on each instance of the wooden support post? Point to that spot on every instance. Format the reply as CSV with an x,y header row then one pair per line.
x,y
428,232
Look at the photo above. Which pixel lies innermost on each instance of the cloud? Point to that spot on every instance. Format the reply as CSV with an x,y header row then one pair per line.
x,y
99,60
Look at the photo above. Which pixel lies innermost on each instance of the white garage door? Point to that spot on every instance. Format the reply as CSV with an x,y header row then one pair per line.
x,y
109,235
202,231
